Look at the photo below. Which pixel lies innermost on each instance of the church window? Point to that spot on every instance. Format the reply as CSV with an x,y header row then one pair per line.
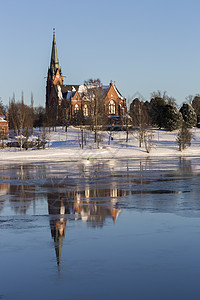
x,y
85,110
111,107
76,108
2,131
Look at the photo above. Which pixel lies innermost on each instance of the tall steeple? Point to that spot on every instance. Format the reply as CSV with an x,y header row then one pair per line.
x,y
54,65
55,72
54,76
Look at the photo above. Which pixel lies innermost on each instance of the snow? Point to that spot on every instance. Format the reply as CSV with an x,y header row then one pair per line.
x,y
2,120
60,96
82,89
68,96
118,94
62,146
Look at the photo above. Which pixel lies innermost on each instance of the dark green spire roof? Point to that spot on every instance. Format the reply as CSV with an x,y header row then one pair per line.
x,y
54,56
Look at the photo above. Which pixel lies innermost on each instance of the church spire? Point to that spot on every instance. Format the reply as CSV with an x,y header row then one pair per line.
x,y
54,65
54,71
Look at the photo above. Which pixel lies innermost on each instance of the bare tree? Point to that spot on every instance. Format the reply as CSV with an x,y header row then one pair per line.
x,y
3,109
148,140
140,117
20,120
94,93
159,94
170,100
32,110
189,99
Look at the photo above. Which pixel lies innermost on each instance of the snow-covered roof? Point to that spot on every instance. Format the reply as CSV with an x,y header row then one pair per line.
x,y
67,87
118,93
106,87
68,95
82,89
68,91
2,119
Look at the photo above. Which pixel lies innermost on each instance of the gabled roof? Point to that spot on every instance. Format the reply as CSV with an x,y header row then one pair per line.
x,y
104,89
76,94
68,95
69,90
118,93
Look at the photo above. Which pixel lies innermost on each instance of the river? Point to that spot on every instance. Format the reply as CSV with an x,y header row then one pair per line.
x,y
108,229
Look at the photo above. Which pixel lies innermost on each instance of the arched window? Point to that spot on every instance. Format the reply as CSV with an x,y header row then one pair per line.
x,y
76,108
85,110
112,107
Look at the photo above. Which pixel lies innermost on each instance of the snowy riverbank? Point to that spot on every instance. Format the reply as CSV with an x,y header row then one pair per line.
x,y
64,146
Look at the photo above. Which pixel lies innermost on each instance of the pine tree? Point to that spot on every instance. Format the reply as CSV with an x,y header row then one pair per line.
x,y
157,110
172,118
189,115
196,104
184,137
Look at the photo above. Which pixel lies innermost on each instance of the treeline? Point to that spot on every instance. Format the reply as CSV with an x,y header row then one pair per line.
x,y
163,112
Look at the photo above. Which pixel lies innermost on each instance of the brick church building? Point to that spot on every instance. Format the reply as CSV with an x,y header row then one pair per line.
x,y
79,104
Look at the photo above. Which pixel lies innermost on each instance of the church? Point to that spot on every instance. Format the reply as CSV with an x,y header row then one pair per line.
x,y
81,104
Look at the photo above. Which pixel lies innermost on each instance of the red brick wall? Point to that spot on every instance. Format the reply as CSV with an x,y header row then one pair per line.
x,y
76,99
58,79
4,128
112,95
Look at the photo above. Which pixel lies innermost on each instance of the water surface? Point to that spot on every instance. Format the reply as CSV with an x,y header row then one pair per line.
x,y
100,230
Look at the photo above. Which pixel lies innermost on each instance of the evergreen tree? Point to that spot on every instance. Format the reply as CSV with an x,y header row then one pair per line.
x,y
157,110
189,115
196,104
139,112
172,118
135,108
184,137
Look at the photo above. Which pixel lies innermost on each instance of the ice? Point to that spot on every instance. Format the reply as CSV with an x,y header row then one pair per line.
x,y
129,226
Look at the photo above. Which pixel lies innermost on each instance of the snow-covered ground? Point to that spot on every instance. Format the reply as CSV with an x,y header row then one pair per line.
x,y
64,146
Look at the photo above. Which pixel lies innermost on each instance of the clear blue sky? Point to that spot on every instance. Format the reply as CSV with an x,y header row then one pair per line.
x,y
141,45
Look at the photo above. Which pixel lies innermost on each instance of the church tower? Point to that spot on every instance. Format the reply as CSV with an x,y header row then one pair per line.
x,y
54,76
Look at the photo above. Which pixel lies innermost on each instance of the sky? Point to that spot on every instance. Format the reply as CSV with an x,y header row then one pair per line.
x,y
143,46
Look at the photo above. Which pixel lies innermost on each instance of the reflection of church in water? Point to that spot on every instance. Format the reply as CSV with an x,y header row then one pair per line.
x,y
90,203
92,198
91,206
